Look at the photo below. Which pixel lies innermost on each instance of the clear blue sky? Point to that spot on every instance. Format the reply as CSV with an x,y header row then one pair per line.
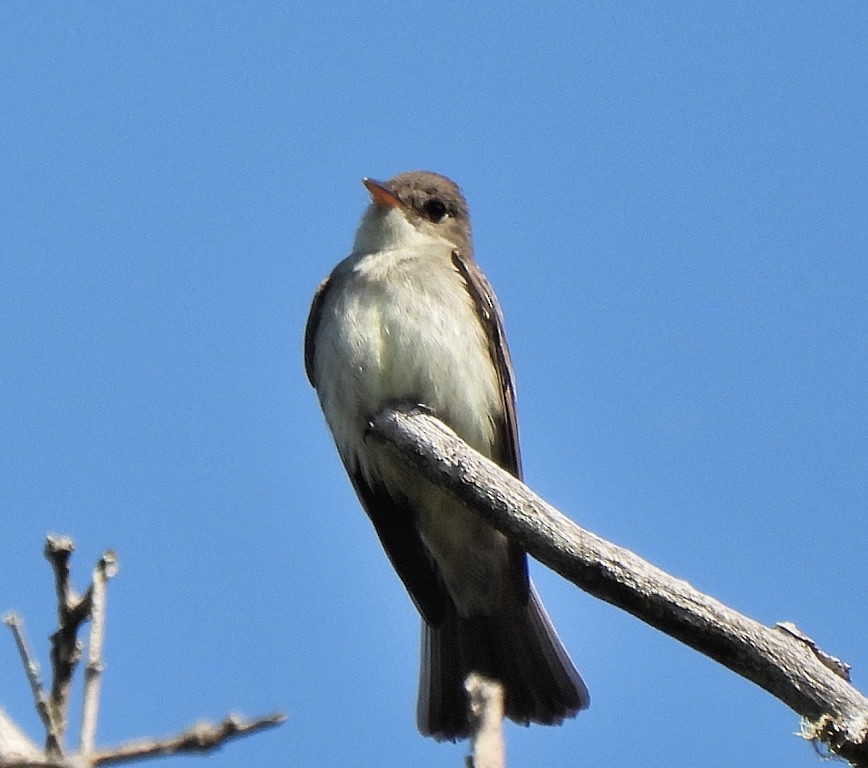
x,y
670,199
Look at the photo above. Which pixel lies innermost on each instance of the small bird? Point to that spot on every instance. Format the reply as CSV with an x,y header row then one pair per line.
x,y
409,317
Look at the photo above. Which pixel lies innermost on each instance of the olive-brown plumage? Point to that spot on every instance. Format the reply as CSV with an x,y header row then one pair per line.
x,y
408,316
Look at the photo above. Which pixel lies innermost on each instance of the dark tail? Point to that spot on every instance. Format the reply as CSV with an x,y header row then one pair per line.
x,y
520,649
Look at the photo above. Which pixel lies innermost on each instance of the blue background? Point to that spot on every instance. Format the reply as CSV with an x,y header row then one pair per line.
x,y
670,199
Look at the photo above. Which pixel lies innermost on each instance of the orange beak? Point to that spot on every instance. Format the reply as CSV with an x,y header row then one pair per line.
x,y
381,194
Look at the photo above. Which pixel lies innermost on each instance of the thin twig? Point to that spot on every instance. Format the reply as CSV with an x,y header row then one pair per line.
x,y
72,612
201,737
106,568
31,667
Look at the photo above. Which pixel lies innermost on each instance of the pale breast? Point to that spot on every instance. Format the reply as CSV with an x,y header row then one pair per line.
x,y
401,326
405,328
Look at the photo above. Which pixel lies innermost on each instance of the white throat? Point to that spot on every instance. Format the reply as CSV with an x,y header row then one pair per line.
x,y
391,229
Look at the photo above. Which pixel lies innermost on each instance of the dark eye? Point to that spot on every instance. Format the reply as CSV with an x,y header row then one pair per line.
x,y
434,209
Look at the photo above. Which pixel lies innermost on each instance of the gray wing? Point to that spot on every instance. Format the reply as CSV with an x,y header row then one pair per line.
x,y
311,327
507,451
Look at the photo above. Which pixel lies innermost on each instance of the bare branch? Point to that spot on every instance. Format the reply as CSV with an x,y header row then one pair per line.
x,y
16,750
31,667
105,569
789,667
72,612
201,737
486,707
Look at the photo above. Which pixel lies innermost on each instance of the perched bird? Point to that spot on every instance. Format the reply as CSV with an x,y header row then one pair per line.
x,y
408,316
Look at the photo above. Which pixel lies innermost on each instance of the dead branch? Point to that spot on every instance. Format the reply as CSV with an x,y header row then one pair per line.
x,y
17,751
106,568
485,699
44,706
201,737
72,611
779,659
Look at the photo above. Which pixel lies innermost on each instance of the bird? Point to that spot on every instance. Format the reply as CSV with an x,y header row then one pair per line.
x,y
409,317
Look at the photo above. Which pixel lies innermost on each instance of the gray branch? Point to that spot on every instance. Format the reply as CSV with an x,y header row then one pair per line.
x,y
16,749
106,569
780,659
200,738
486,704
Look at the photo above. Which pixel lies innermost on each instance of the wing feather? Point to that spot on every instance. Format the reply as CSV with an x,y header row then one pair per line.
x,y
482,293
312,327
505,452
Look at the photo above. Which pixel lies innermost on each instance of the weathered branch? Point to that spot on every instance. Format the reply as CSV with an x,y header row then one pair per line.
x,y
105,569
44,707
17,751
72,611
485,698
779,659
202,737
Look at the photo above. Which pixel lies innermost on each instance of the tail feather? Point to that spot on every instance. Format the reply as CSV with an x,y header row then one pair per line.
x,y
520,649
